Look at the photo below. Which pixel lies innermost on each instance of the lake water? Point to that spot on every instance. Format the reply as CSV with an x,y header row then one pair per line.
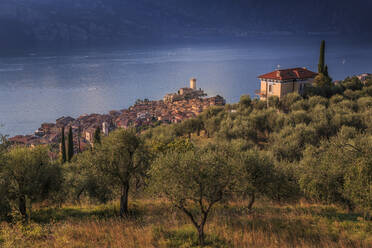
x,y
43,84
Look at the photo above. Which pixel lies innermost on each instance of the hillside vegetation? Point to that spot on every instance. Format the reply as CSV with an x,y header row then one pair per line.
x,y
295,172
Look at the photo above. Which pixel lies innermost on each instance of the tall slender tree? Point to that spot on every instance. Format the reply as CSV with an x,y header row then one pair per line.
x,y
63,146
321,65
79,137
326,71
70,147
97,136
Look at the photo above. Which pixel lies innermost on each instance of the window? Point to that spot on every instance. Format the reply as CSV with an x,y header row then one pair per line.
x,y
301,87
270,88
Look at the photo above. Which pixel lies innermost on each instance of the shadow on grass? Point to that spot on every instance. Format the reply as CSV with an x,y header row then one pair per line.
x,y
48,215
333,214
290,231
327,212
185,237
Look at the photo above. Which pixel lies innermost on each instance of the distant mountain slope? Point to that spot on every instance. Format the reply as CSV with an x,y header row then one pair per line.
x,y
32,21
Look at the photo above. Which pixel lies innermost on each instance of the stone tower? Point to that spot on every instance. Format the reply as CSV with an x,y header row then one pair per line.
x,y
193,83
105,128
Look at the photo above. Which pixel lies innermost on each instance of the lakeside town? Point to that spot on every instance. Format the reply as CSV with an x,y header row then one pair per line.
x,y
187,103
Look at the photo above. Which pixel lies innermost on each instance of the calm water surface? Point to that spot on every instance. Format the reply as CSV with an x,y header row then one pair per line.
x,y
41,85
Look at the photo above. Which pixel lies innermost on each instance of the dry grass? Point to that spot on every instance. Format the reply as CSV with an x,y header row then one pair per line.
x,y
155,224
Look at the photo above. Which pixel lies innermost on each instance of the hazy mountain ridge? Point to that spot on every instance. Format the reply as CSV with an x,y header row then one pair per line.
x,y
28,21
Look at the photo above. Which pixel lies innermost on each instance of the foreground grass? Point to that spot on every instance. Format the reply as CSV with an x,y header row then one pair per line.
x,y
155,224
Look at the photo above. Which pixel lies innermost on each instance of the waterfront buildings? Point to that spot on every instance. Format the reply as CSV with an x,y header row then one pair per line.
x,y
186,103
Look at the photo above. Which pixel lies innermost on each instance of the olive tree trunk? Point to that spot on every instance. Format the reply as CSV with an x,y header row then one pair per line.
x,y
201,235
199,227
124,201
22,206
251,201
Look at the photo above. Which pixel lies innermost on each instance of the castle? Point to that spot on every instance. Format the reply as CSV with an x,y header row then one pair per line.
x,y
185,93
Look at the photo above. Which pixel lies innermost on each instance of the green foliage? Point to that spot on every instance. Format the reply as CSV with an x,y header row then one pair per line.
x,y
189,126
112,166
274,102
245,101
5,203
4,143
255,175
322,81
321,65
97,136
194,181
211,119
289,100
30,176
339,170
70,147
352,84
63,146
290,142
5,207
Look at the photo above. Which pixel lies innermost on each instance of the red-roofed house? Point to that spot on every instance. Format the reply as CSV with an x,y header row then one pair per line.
x,y
281,82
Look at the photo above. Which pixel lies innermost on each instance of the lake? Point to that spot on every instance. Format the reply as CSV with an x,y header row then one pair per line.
x,y
41,85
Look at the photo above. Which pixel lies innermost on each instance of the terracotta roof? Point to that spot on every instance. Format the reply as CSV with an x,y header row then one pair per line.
x,y
287,74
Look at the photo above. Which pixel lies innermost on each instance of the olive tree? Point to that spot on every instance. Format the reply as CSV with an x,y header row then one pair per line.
x,y
211,119
31,176
256,175
339,170
118,160
358,182
358,175
4,190
4,203
190,126
194,181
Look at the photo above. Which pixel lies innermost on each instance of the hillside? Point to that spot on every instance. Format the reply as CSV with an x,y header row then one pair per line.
x,y
290,172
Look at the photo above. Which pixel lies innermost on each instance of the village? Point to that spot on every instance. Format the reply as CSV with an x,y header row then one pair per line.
x,y
187,103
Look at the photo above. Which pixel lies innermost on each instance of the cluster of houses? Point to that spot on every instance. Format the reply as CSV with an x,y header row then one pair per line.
x,y
187,103
174,108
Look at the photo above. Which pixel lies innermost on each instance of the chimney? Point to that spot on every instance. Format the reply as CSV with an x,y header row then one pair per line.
x,y
278,73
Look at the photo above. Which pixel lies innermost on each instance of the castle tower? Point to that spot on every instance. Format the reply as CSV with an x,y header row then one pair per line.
x,y
105,128
193,83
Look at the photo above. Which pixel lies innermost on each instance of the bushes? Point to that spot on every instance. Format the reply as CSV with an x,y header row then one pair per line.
x,y
339,171
289,143
28,176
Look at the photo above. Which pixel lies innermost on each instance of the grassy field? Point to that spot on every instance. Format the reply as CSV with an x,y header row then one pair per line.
x,y
155,224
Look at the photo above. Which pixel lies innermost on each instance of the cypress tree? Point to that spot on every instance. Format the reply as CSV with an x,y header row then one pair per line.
x,y
70,148
326,71
321,65
63,146
79,137
97,136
